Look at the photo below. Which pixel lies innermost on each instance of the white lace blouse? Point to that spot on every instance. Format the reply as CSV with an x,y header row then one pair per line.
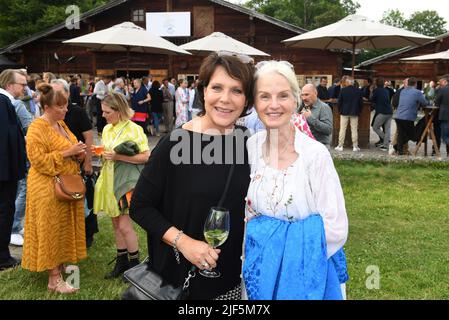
x,y
309,185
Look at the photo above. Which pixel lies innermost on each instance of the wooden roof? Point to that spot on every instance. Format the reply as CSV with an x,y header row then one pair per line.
x,y
114,3
398,52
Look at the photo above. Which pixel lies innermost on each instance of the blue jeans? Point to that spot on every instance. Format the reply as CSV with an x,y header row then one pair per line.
x,y
19,215
156,120
189,114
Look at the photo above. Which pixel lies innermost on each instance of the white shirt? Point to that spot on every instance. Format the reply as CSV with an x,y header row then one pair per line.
x,y
310,185
100,89
6,93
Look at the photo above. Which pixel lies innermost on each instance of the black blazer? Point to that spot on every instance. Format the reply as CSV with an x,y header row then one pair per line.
x,y
350,101
12,143
442,101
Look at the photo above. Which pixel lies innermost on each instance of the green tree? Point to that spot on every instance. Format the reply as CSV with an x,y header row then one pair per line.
x,y
22,18
427,22
393,18
308,14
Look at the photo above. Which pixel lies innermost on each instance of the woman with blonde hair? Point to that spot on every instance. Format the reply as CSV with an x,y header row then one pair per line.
x,y
48,77
54,229
119,129
297,223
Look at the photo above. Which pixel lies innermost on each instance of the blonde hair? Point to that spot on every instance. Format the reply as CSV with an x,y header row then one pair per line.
x,y
117,102
283,68
7,77
50,76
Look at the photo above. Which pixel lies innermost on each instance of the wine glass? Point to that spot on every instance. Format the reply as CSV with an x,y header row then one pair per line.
x,y
216,231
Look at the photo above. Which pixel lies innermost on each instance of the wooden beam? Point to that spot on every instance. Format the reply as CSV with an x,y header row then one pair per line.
x,y
252,31
94,54
169,5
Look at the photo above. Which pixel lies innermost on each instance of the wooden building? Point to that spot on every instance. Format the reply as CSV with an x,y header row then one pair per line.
x,y
39,51
390,67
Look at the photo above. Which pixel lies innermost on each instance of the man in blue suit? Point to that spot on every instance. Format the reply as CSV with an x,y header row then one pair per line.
x,y
12,159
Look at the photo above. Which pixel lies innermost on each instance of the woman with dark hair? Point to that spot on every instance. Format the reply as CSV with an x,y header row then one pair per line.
x,y
156,105
180,184
139,103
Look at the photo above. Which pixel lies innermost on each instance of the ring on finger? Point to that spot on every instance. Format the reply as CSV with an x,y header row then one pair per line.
x,y
205,264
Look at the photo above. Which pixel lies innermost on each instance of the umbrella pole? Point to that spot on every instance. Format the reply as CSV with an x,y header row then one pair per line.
x,y
127,62
353,58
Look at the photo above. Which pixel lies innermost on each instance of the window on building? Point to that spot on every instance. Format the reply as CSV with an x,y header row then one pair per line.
x,y
138,15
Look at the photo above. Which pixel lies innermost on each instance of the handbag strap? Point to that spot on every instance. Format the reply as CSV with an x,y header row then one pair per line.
x,y
228,182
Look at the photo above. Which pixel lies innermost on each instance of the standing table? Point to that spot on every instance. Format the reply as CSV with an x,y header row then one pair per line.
x,y
429,114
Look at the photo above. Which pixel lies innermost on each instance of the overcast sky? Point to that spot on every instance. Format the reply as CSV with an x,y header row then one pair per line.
x,y
375,8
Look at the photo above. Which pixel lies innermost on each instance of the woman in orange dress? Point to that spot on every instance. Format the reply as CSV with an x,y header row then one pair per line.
x,y
54,230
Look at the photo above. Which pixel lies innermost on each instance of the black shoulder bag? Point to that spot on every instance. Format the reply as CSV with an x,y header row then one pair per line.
x,y
146,284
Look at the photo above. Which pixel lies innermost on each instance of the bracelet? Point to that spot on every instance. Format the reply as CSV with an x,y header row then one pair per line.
x,y
175,248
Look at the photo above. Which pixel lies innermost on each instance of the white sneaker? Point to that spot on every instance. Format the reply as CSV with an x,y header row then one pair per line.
x,y
16,240
22,231
339,148
390,149
355,149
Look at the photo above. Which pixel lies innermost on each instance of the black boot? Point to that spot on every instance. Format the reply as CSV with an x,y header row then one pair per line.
x,y
133,259
121,265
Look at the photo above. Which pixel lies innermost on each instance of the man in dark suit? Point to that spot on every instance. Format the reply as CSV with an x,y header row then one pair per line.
x,y
12,159
442,101
350,103
321,89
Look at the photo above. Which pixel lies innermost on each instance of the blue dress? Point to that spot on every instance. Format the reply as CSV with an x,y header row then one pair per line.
x,y
287,260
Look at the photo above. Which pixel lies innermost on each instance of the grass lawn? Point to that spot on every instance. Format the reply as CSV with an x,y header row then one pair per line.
x,y
398,222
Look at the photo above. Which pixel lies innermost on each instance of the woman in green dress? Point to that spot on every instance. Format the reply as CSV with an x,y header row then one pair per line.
x,y
119,129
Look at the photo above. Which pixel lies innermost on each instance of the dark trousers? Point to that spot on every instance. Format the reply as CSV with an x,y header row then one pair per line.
x,y
437,130
101,121
406,132
91,220
143,125
8,190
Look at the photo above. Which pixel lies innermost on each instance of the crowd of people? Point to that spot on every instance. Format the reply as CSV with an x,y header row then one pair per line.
x,y
279,177
246,124
401,104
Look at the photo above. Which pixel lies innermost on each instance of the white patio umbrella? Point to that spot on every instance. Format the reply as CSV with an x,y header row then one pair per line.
x,y
218,41
357,32
127,37
443,55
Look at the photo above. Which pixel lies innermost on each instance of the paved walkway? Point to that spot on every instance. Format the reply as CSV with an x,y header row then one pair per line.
x,y
374,153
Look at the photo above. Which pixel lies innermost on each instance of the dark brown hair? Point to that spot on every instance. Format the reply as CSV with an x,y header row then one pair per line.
x,y
412,81
50,97
380,82
235,68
